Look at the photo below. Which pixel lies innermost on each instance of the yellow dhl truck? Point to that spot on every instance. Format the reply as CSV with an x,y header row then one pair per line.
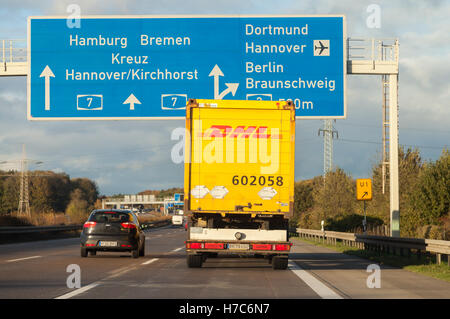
x,y
239,179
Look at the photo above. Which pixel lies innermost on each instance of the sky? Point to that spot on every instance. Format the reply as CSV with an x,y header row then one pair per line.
x,y
131,156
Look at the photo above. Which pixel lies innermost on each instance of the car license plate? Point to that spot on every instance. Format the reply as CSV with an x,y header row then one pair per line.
x,y
108,243
239,246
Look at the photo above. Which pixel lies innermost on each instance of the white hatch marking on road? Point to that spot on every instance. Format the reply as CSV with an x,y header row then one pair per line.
x,y
318,287
20,259
150,261
177,249
78,291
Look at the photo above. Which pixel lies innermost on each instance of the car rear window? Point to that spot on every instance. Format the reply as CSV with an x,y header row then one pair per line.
x,y
109,217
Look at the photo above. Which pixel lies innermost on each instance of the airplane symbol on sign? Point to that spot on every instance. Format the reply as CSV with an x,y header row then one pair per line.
x,y
321,45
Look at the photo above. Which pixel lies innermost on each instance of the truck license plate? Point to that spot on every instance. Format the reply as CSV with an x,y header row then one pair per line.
x,y
239,246
108,243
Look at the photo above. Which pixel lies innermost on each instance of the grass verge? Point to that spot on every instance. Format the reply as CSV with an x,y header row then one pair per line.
x,y
425,265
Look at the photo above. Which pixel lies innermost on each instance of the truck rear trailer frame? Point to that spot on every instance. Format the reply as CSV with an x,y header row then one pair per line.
x,y
235,206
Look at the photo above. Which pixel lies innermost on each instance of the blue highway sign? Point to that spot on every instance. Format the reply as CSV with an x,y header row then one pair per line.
x,y
147,67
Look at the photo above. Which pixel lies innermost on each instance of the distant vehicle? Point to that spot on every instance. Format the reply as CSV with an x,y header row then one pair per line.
x,y
112,230
177,220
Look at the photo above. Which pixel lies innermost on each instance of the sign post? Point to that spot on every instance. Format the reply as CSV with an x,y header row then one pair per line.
x,y
364,193
147,67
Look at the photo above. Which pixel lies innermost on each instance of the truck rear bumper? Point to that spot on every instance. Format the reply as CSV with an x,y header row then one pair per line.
x,y
238,247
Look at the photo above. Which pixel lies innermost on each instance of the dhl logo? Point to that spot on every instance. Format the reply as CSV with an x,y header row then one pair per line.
x,y
241,131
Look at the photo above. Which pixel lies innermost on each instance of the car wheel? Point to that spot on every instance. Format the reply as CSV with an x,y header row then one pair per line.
x,y
135,253
142,250
83,252
92,253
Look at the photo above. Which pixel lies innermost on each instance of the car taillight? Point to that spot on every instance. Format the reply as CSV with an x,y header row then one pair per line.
x,y
89,224
282,247
128,225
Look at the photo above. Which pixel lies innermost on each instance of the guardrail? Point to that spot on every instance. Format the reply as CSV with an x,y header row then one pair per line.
x,y
156,224
37,229
372,49
61,228
380,244
13,50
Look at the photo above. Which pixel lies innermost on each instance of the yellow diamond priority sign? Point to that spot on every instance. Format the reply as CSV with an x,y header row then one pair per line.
x,y
364,189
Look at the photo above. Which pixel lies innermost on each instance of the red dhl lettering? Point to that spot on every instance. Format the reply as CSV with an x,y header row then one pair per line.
x,y
239,131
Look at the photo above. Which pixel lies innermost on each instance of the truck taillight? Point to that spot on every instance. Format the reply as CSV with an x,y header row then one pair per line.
x,y
262,247
89,224
284,247
194,245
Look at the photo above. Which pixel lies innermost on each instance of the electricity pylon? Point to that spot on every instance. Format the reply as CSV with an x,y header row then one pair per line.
x,y
24,193
24,196
328,134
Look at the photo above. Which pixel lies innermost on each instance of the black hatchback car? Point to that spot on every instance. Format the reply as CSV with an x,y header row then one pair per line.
x,y
112,230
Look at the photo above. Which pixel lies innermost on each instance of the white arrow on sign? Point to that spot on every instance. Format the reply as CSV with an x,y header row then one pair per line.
x,y
231,87
132,100
216,72
47,73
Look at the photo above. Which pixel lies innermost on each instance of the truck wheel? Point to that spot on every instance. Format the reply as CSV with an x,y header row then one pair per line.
x,y
194,261
279,262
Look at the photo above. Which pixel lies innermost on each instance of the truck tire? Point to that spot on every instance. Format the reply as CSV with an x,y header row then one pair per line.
x,y
279,262
194,261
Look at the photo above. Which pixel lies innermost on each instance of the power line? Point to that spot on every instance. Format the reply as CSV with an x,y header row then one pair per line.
x,y
379,143
345,123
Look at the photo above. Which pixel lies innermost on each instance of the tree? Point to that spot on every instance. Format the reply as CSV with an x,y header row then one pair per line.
x,y
331,198
431,197
78,208
10,196
303,202
88,189
337,196
40,193
410,166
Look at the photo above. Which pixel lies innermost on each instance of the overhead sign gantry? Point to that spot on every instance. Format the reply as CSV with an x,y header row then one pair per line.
x,y
146,67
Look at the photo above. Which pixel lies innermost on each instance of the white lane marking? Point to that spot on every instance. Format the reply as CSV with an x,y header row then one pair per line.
x,y
150,261
117,273
20,259
78,291
177,249
318,287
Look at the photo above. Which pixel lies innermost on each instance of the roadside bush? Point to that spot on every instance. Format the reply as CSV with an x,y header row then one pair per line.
x,y
78,208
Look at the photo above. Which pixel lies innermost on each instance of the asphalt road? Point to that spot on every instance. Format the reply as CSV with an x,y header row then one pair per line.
x,y
39,270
